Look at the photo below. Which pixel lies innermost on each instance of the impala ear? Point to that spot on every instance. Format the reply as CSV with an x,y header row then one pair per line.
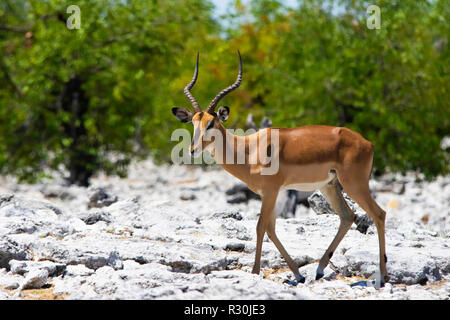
x,y
182,114
223,113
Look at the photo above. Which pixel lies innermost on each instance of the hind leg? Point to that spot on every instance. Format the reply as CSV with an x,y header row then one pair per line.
x,y
357,188
332,193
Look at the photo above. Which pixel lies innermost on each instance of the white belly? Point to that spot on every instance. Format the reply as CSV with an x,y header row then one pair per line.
x,y
310,186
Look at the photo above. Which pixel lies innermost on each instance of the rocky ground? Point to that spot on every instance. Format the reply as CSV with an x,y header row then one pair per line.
x,y
169,233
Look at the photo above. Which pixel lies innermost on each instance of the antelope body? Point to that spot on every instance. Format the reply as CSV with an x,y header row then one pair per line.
x,y
310,158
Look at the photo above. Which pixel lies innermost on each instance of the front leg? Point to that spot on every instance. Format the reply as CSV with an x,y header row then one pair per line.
x,y
268,199
260,231
292,265
266,223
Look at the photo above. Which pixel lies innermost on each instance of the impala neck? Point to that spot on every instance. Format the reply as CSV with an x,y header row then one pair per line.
x,y
228,149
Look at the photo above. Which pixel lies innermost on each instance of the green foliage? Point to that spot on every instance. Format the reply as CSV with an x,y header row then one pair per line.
x,y
315,66
92,99
88,98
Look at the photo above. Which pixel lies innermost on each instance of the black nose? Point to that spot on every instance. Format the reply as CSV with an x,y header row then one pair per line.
x,y
192,152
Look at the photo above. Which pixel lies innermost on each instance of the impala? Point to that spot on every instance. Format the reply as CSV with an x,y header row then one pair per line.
x,y
310,157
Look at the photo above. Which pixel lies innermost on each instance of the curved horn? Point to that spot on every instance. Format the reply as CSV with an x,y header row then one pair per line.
x,y
189,87
226,91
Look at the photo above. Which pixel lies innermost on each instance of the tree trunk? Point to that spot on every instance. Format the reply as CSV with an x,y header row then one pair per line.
x,y
79,162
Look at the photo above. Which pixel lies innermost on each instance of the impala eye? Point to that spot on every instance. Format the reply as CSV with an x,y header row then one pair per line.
x,y
210,125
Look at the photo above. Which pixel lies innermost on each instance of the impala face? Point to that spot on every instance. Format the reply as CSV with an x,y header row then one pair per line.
x,y
204,125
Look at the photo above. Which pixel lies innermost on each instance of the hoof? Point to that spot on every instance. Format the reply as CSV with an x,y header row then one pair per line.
x,y
299,279
361,284
366,283
292,282
319,273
